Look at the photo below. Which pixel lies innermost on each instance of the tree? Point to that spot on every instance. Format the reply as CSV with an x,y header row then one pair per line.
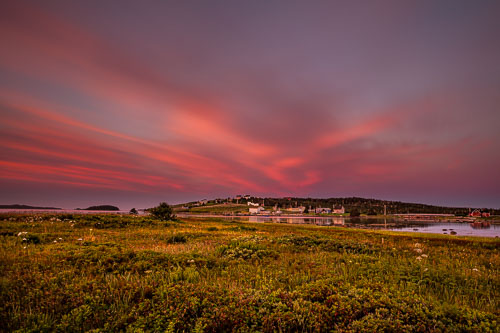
x,y
133,211
162,212
354,213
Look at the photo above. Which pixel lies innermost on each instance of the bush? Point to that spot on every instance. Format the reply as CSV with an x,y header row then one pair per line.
x,y
162,212
354,213
175,239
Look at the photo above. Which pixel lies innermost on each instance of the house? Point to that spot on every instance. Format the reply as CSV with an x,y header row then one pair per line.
x,y
338,209
203,202
475,212
322,210
238,197
252,204
247,196
485,214
297,209
256,210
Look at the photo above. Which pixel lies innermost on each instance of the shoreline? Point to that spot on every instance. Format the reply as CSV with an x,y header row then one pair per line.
x,y
388,217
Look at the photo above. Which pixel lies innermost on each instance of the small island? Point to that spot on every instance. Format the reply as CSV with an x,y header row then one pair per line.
x,y
101,207
17,206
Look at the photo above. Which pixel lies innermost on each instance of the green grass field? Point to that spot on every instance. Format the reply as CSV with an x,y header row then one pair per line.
x,y
123,273
220,209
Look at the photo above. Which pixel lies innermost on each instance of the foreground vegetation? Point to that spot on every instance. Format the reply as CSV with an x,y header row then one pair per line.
x,y
112,273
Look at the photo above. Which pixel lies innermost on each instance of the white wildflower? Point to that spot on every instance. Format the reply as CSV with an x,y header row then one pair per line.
x,y
419,258
24,239
80,239
475,270
424,255
418,250
417,245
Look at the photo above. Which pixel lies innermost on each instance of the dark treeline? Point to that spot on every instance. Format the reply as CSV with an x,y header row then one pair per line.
x,y
101,207
17,206
369,206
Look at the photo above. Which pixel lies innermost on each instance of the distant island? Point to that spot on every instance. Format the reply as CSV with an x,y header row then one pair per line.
x,y
17,206
101,207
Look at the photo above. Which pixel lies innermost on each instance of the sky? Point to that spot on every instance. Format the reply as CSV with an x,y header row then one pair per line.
x,y
135,102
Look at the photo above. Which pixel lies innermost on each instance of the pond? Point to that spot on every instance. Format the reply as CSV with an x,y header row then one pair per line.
x,y
434,227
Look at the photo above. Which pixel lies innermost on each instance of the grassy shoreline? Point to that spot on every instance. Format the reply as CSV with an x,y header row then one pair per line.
x,y
104,272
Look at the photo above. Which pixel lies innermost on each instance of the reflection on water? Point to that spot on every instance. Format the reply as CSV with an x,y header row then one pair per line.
x,y
325,221
436,227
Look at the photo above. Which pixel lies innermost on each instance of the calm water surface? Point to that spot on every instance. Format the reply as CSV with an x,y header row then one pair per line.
x,y
60,211
434,227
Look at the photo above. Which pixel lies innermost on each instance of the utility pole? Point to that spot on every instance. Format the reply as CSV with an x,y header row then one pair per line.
x,y
385,209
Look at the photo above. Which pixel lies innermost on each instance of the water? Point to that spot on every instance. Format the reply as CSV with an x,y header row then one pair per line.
x,y
433,227
60,211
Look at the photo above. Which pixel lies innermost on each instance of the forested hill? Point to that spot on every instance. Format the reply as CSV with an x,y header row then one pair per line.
x,y
363,205
373,206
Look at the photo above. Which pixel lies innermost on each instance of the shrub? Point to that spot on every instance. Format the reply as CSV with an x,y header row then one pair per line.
x,y
246,249
174,239
162,212
354,213
243,228
33,239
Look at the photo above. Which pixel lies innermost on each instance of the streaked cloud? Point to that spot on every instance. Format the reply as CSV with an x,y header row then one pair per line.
x,y
168,103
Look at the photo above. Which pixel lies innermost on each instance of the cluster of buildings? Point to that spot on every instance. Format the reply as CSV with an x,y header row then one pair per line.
x,y
478,213
337,209
258,209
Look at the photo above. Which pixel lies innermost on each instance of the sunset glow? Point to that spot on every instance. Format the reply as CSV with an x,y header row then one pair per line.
x,y
131,104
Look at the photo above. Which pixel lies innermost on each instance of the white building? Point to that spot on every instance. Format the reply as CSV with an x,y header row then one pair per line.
x,y
300,209
256,210
338,209
252,204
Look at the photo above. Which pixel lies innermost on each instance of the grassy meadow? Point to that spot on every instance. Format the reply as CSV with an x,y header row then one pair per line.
x,y
220,209
74,273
